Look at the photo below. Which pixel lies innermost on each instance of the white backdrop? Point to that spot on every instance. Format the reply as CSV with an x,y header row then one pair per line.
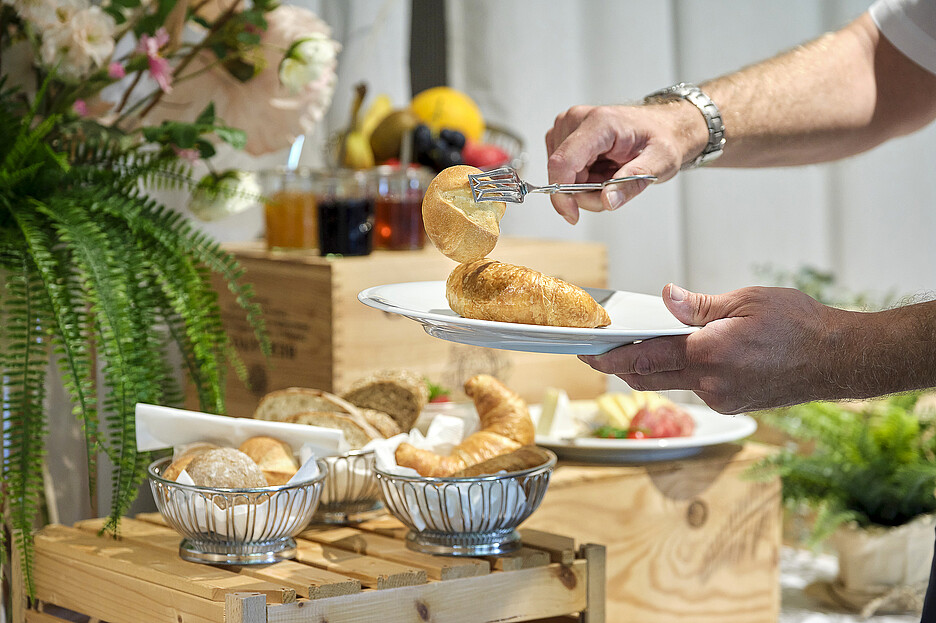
x,y
869,219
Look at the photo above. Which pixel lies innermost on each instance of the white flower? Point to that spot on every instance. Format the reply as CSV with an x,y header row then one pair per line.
x,y
45,14
82,43
220,195
306,60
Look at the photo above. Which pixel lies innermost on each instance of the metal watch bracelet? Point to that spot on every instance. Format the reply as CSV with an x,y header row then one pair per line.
x,y
713,118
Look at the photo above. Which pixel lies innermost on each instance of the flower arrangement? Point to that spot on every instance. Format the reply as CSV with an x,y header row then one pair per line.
x,y
100,104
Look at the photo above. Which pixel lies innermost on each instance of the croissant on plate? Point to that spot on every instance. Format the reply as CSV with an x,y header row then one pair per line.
x,y
490,290
505,427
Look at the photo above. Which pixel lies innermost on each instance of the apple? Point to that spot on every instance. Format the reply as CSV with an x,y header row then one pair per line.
x,y
484,155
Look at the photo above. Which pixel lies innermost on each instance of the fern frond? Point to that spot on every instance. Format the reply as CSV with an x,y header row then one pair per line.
x,y
24,362
72,333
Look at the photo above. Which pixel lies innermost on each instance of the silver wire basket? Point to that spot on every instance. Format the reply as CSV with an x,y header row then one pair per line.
x,y
465,516
236,526
350,487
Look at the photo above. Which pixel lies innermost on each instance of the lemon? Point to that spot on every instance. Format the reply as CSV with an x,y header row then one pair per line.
x,y
445,107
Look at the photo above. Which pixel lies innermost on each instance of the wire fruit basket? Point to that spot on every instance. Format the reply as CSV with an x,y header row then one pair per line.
x,y
350,488
236,526
465,516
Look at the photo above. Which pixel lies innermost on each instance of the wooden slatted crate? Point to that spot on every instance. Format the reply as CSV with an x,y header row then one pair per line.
x,y
323,337
694,539
361,574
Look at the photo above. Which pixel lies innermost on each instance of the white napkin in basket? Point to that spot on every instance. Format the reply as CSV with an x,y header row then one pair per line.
x,y
462,507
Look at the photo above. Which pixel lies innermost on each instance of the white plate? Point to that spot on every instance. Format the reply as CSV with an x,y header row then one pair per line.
x,y
711,428
634,317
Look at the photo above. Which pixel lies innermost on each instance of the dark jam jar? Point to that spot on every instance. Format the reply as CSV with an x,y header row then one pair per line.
x,y
398,223
346,213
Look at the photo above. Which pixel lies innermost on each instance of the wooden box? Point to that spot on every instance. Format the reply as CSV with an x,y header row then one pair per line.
x,y
323,337
363,574
692,540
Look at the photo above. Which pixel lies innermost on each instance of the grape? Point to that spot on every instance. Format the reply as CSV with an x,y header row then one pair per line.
x,y
422,138
453,137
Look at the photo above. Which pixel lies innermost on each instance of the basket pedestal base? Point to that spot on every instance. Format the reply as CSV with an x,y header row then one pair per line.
x,y
477,544
238,554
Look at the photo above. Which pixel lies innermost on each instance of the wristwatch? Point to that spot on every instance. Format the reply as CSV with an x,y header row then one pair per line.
x,y
713,118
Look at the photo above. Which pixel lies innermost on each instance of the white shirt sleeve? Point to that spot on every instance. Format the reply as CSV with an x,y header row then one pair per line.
x,y
910,25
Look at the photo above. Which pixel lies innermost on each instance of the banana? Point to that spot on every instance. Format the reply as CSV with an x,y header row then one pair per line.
x,y
355,146
376,112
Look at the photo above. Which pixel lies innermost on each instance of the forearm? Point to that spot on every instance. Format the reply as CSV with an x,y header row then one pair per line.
x,y
837,96
870,354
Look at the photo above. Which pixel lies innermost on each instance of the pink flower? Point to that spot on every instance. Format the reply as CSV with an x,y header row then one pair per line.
x,y
191,155
159,67
116,71
80,108
263,107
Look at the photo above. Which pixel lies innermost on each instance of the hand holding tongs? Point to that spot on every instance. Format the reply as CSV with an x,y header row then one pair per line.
x,y
504,184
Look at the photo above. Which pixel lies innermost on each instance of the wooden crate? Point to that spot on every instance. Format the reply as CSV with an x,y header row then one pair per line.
x,y
692,540
323,337
364,574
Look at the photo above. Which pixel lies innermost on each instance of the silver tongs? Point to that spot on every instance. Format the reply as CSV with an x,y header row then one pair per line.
x,y
504,184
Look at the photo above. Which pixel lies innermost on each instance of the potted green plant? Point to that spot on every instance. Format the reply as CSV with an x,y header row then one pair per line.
x,y
100,105
868,471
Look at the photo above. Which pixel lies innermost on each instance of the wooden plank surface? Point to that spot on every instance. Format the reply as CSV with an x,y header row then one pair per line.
x,y
523,595
114,597
154,565
372,572
395,550
307,580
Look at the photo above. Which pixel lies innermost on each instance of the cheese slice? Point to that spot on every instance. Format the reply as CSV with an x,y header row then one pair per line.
x,y
555,401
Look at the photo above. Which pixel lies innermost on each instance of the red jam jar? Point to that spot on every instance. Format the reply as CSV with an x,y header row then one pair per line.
x,y
398,194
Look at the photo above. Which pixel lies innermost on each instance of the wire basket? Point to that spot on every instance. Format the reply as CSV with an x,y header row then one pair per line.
x,y
236,526
510,143
465,516
350,487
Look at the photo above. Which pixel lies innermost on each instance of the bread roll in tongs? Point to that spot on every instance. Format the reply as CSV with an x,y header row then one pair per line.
x,y
490,290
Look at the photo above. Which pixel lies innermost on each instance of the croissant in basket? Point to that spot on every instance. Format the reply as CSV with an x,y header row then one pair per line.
x,y
505,427
490,290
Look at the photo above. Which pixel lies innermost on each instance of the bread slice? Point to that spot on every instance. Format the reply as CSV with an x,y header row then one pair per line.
x,y
384,424
355,433
279,405
398,393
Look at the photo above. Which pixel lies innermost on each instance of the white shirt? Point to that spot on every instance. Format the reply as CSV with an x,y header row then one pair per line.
x,y
910,25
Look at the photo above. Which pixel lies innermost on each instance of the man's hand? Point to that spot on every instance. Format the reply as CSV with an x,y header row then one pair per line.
x,y
597,143
759,348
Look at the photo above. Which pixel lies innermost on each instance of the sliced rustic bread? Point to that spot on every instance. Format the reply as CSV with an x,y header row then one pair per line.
x,y
356,433
384,424
398,393
282,403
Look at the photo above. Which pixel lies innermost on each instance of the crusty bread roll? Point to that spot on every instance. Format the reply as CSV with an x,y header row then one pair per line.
x,y
491,290
526,457
459,227
274,458
356,433
183,456
226,468
401,394
505,427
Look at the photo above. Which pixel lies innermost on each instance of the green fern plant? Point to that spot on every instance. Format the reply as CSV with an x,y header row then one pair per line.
x,y
97,272
872,462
